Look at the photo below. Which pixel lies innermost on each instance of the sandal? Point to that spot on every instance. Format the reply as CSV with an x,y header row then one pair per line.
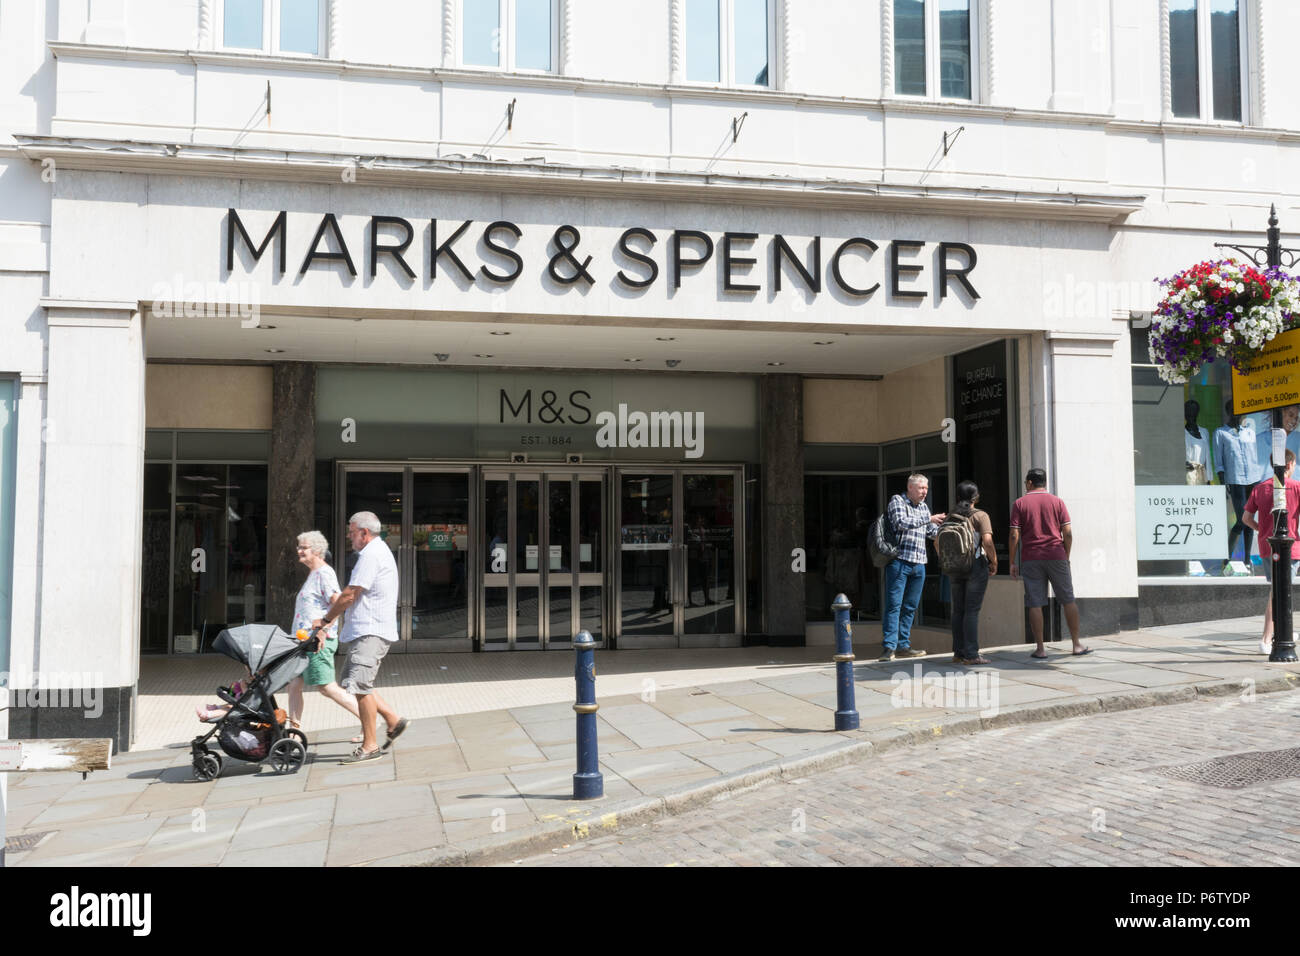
x,y
1039,657
977,660
360,756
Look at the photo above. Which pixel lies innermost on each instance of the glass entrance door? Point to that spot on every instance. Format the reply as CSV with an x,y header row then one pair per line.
x,y
424,518
543,558
678,540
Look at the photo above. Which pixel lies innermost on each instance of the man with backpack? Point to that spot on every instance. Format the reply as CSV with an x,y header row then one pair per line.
x,y
910,519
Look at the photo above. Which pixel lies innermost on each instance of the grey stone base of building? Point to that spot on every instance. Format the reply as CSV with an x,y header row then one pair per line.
x,y
1203,601
83,712
774,640
1099,617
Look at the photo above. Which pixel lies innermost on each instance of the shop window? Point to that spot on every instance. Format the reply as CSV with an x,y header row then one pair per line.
x,y
729,42
840,505
203,562
934,50
838,512
513,35
1185,436
294,27
1206,61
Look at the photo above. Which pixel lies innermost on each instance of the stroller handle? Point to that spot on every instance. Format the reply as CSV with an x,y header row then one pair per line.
x,y
313,642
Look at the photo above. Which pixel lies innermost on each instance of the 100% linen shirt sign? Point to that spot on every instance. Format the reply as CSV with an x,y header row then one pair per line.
x,y
1181,522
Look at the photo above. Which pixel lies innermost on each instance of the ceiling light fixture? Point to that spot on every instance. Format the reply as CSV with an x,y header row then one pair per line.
x,y
665,338
775,363
499,333
442,356
631,360
672,363
264,328
483,355
275,351
823,343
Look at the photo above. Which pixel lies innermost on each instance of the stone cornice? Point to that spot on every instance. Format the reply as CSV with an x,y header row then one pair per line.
x,y
543,178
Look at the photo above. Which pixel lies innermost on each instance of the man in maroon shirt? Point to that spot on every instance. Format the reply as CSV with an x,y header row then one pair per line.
x,y
1260,503
1040,529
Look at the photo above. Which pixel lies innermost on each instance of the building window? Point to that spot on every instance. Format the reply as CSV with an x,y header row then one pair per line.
x,y
274,26
1205,59
515,35
933,49
729,42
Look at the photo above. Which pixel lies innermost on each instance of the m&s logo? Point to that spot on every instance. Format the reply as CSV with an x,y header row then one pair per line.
x,y
549,410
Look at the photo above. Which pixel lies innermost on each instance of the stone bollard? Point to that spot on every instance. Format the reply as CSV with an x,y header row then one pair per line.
x,y
846,713
588,783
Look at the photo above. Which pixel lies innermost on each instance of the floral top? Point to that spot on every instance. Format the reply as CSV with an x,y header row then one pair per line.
x,y
314,600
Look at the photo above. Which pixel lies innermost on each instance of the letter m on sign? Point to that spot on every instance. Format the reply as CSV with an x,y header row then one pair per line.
x,y
525,406
279,229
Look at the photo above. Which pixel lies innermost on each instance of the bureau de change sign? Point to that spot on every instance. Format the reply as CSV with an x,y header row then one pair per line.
x,y
1181,522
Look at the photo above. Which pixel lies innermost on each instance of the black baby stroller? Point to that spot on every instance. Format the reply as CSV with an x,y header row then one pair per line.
x,y
254,729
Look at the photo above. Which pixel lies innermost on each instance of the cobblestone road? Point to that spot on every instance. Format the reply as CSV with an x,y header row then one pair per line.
x,y
1074,793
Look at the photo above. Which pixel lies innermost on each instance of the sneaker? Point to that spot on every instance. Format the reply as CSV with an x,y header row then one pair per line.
x,y
887,656
911,652
1266,645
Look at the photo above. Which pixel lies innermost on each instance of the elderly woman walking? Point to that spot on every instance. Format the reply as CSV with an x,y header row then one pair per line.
x,y
314,599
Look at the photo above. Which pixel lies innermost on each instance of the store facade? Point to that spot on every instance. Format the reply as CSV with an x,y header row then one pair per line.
x,y
611,336
631,457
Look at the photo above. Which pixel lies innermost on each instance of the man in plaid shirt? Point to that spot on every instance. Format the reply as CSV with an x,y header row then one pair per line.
x,y
904,576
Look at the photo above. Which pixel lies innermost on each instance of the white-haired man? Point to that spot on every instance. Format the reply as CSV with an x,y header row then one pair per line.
x,y
371,626
912,523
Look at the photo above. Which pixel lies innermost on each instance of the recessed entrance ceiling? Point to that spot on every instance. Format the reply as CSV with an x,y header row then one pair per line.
x,y
702,348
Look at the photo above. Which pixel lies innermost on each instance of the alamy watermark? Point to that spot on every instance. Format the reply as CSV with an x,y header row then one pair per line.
x,y
635,429
59,689
178,299
953,690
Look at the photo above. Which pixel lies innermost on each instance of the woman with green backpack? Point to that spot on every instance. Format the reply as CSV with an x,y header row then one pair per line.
x,y
968,589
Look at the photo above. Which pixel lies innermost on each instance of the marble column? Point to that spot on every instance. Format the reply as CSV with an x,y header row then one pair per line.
x,y
291,484
781,425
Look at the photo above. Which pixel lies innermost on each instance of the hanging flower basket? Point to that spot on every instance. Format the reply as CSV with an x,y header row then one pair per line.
x,y
1220,309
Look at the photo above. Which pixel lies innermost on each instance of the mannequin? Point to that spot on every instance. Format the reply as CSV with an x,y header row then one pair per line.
x,y
1197,442
1236,460
1291,425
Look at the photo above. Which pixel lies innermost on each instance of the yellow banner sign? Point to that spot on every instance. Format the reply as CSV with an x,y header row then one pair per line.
x,y
1273,378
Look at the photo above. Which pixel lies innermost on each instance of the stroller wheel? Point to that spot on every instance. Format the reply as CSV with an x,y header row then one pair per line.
x,y
207,766
298,735
287,755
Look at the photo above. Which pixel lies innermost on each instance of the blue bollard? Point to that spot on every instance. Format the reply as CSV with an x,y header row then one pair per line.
x,y
588,783
846,714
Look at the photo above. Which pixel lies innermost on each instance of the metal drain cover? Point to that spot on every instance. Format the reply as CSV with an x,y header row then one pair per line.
x,y
1238,770
17,844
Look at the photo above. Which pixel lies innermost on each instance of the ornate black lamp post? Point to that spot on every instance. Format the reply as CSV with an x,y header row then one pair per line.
x,y
1281,541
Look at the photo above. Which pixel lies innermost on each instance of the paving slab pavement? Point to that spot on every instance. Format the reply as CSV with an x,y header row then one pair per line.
x,y
488,784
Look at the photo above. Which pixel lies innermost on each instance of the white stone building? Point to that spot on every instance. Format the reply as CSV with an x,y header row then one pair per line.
x,y
267,262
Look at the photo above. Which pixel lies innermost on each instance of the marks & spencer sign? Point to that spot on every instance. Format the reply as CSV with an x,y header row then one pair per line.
x,y
744,263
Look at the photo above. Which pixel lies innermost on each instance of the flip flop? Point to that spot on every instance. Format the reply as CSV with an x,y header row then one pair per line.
x,y
1039,657
1086,650
394,733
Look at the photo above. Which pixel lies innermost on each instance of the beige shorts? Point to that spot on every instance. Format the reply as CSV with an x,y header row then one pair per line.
x,y
362,665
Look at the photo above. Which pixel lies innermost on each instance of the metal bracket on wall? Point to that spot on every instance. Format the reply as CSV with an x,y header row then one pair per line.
x,y
737,122
268,99
510,114
949,143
